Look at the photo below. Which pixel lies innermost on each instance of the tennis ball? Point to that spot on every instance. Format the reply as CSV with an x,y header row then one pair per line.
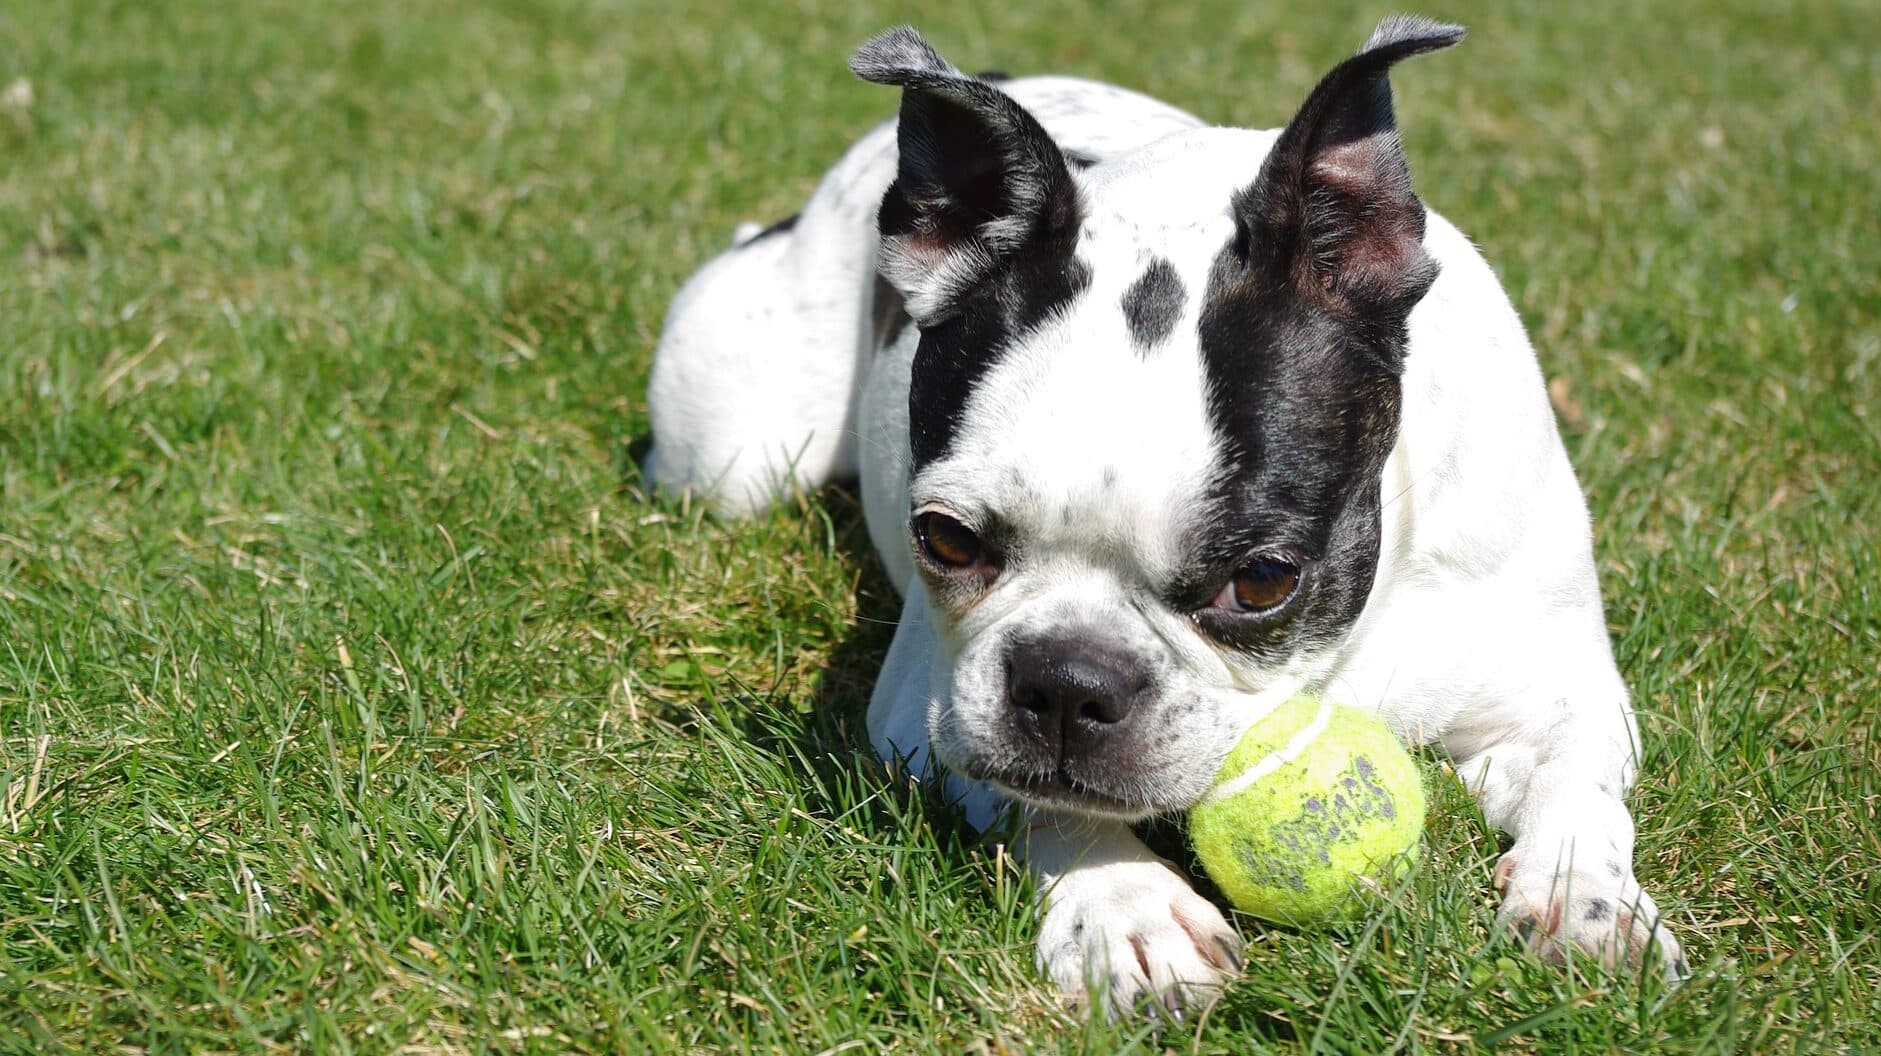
x,y
1314,803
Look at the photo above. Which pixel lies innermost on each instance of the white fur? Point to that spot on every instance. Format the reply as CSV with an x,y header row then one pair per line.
x,y
765,349
1483,630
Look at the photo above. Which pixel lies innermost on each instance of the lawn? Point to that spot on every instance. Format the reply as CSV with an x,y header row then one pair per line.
x,y
354,696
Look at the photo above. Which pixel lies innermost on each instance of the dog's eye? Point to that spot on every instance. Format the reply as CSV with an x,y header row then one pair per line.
x,y
947,542
1260,586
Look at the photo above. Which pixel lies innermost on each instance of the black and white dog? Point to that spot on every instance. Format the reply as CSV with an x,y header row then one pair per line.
x,y
1188,419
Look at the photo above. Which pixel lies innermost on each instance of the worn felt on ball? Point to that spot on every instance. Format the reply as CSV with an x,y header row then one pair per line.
x,y
1335,806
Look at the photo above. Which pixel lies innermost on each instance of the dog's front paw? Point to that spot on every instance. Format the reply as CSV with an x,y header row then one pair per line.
x,y
1602,912
1137,934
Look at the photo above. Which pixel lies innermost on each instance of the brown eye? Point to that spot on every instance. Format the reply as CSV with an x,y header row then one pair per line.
x,y
1259,586
947,542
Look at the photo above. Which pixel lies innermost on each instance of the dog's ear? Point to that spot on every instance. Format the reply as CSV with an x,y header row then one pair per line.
x,y
979,180
1332,212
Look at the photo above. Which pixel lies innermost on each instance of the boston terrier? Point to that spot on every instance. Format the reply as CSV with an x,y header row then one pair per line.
x,y
1158,424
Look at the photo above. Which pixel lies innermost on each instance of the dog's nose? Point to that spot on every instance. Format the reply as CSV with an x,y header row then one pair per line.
x,y
1069,694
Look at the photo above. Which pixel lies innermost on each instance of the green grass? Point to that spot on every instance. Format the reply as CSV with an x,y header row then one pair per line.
x,y
353,697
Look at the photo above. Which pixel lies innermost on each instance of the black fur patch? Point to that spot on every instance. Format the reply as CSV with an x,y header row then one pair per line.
x,y
1303,334
1305,419
956,352
1598,909
1153,304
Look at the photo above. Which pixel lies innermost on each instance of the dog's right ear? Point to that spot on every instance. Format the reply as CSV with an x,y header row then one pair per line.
x,y
979,180
1332,212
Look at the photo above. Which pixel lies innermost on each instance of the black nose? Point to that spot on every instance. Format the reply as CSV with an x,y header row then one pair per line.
x,y
1070,694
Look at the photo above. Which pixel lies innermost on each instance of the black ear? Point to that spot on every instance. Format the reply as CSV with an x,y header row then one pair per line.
x,y
1333,208
978,180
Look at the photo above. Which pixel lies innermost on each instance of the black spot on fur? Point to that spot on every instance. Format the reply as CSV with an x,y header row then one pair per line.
x,y
1598,909
783,226
1615,869
1153,304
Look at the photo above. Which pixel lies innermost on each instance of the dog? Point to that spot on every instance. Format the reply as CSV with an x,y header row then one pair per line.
x,y
1157,425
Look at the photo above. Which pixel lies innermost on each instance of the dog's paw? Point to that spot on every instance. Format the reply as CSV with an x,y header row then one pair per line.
x,y
1602,912
1139,936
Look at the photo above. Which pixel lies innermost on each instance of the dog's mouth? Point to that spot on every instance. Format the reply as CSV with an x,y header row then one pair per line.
x,y
1060,790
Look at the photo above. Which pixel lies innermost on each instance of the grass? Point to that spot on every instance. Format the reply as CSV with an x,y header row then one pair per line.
x,y
354,698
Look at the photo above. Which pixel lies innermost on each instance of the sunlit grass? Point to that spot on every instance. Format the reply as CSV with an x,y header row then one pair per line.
x,y
353,697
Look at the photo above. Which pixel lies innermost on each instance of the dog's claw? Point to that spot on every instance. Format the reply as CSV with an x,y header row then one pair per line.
x,y
1499,879
1231,957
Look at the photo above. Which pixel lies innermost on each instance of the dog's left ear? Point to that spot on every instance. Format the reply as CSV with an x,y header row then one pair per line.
x,y
1332,212
979,179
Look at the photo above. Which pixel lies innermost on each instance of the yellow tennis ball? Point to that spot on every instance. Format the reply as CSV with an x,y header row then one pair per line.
x,y
1315,803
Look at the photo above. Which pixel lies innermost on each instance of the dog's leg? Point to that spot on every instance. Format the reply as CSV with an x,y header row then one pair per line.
x,y
1120,921
1553,773
1486,630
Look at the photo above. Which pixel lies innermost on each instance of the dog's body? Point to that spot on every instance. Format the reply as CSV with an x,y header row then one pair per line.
x,y
1187,420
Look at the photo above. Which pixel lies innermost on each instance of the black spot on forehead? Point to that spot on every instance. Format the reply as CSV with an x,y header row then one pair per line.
x,y
1153,304
956,352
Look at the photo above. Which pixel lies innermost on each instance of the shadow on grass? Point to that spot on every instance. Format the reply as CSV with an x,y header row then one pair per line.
x,y
830,738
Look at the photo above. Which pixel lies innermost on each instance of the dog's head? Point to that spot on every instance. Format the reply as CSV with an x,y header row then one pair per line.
x,y
1149,411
